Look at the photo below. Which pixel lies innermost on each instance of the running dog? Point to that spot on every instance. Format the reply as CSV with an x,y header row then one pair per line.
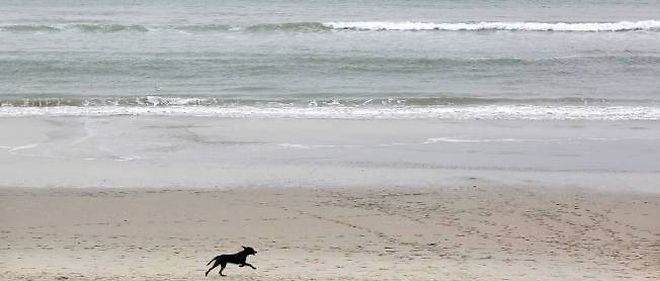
x,y
238,258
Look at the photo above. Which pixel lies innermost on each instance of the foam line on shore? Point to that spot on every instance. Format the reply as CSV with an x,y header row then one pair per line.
x,y
489,112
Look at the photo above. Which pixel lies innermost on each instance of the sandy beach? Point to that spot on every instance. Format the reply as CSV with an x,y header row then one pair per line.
x,y
461,233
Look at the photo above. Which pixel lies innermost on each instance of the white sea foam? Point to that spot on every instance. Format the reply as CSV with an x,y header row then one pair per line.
x,y
507,112
459,140
294,145
649,25
15,149
311,146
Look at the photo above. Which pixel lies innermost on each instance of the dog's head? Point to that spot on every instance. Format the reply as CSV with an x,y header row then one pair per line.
x,y
249,250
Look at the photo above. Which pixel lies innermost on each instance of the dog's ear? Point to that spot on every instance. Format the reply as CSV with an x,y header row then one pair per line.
x,y
244,247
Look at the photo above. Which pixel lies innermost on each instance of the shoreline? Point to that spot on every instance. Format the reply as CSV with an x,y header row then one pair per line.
x,y
451,233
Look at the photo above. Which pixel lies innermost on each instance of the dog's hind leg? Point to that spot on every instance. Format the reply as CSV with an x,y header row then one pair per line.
x,y
222,266
212,267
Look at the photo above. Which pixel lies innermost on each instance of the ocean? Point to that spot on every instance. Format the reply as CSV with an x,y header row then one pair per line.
x,y
568,88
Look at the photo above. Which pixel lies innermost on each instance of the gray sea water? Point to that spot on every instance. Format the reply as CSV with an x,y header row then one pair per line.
x,y
395,59
179,94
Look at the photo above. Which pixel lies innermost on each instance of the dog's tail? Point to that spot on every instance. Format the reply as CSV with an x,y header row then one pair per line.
x,y
212,260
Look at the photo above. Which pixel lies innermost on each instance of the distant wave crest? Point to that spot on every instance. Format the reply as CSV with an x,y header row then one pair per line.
x,y
106,28
28,28
193,28
647,25
291,26
82,27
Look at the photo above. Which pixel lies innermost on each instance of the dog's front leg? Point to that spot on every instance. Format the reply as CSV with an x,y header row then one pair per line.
x,y
249,265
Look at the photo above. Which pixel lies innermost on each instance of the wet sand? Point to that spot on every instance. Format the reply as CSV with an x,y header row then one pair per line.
x,y
461,233
200,152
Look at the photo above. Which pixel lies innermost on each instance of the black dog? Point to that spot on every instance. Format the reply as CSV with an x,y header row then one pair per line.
x,y
238,258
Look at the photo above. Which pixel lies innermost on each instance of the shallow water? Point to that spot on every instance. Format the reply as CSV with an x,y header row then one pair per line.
x,y
208,152
263,56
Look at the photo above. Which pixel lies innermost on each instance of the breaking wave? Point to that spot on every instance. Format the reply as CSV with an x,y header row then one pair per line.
x,y
419,101
416,108
647,25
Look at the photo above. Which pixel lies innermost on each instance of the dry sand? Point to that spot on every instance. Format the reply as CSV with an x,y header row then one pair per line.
x,y
470,233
